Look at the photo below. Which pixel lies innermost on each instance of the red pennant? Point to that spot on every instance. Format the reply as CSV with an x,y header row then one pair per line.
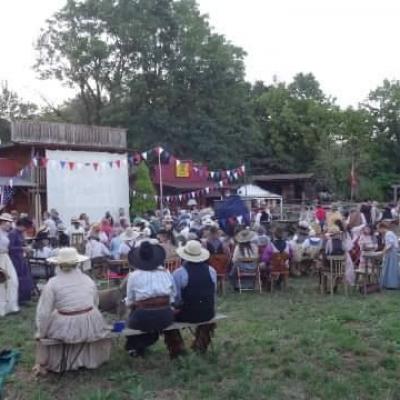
x,y
44,162
71,165
118,162
95,165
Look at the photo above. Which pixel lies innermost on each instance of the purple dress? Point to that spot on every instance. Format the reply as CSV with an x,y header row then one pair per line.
x,y
16,252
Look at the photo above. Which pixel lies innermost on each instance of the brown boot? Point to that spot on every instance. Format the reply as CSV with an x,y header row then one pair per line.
x,y
175,344
203,337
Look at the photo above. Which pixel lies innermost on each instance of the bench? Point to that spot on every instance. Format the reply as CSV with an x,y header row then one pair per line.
x,y
133,332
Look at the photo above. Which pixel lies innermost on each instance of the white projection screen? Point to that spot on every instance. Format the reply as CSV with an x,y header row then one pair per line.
x,y
83,189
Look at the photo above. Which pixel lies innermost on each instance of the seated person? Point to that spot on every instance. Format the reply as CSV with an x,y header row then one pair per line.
x,y
67,311
245,250
277,254
150,293
128,238
166,240
116,242
41,245
95,248
219,254
195,285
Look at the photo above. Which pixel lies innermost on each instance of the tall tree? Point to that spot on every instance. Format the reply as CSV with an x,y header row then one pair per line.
x,y
143,200
155,67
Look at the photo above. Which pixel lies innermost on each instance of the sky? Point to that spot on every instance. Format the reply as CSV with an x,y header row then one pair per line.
x,y
349,45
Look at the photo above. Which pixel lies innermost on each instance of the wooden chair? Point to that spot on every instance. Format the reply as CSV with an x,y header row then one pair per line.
x,y
40,270
220,262
334,274
279,269
256,275
172,264
77,240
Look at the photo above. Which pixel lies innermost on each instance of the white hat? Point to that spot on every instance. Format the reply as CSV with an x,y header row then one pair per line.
x,y
67,255
193,252
6,217
129,234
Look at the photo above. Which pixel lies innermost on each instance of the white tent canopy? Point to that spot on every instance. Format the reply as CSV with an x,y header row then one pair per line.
x,y
255,192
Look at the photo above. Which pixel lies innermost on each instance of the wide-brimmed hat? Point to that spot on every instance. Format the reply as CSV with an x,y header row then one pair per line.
x,y
147,256
245,236
6,217
333,230
129,234
67,256
193,252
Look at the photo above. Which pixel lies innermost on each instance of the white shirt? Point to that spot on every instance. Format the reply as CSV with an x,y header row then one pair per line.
x,y
73,231
95,249
144,285
51,225
125,248
46,252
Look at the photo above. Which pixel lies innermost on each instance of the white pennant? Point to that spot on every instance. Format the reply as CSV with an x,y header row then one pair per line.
x,y
144,196
144,155
178,162
180,197
207,189
11,183
212,173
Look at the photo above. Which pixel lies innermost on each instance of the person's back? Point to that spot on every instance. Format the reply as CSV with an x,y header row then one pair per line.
x,y
198,296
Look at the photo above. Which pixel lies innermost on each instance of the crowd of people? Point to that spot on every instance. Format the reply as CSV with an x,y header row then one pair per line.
x,y
206,248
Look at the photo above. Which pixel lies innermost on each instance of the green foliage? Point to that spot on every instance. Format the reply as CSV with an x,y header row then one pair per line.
x,y
143,186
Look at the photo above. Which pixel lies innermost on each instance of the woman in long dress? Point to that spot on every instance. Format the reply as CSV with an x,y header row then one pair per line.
x,y
16,251
9,286
390,278
68,312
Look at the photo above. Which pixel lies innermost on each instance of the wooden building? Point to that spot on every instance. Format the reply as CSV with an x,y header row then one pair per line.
x,y
294,188
31,139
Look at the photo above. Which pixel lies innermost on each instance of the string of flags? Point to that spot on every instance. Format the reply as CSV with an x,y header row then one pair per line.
x,y
181,196
215,175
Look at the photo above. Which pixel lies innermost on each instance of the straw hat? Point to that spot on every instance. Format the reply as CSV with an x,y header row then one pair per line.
x,y
67,256
6,217
334,230
245,236
193,252
129,234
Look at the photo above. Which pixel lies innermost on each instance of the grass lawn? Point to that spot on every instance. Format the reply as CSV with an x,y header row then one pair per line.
x,y
292,345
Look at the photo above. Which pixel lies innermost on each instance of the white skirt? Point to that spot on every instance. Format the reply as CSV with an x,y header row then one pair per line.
x,y
8,289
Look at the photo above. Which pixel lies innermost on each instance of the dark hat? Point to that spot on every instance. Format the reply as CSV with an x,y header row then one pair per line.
x,y
147,256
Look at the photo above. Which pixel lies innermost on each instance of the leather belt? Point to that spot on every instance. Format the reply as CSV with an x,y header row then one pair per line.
x,y
78,312
154,302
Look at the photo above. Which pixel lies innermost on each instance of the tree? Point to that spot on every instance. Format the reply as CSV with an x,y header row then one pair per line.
x,y
12,107
143,199
156,68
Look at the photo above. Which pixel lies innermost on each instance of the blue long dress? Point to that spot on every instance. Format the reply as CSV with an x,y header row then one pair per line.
x,y
16,252
390,278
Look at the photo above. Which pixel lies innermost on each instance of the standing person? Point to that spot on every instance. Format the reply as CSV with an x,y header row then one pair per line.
x,y
375,213
8,275
123,219
76,227
17,255
150,293
68,311
333,215
365,210
320,216
390,278
196,284
51,225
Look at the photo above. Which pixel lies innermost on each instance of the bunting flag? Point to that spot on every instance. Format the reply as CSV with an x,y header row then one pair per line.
x,y
118,163
71,165
63,163
95,166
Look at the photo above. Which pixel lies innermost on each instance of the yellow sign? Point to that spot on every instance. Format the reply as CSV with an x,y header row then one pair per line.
x,y
183,170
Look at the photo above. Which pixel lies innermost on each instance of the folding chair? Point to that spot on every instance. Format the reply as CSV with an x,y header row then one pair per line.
x,y
254,274
172,264
334,274
220,262
78,241
279,269
40,270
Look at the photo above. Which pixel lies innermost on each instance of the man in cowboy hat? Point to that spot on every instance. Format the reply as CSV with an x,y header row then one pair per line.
x,y
195,284
150,294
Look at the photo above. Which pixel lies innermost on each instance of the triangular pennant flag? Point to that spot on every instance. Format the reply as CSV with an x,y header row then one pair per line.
x,y
11,183
180,197
243,168
35,161
167,198
111,163
212,173
144,155
156,198
71,165
159,150
144,196
207,189
236,175
118,163
178,162
44,162
95,165
133,192
63,164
